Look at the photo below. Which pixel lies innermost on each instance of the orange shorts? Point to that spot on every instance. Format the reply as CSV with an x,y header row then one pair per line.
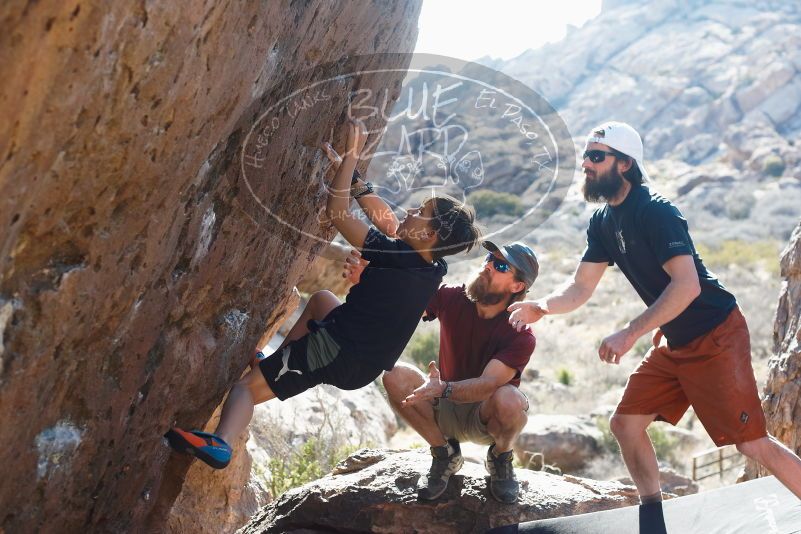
x,y
712,373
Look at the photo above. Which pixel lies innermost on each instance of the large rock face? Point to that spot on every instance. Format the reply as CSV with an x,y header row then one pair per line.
x,y
782,398
134,277
374,491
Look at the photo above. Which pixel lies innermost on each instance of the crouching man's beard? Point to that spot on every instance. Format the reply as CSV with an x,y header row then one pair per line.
x,y
603,187
478,292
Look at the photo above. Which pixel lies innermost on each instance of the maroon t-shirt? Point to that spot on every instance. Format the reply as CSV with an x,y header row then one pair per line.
x,y
467,342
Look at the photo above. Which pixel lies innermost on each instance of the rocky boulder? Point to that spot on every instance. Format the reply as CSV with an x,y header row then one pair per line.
x,y
214,500
139,266
375,491
325,272
566,441
782,396
672,483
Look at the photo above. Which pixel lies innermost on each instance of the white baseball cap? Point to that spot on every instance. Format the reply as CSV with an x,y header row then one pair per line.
x,y
621,137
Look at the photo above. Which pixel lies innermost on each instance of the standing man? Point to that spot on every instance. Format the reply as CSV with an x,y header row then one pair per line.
x,y
473,395
701,352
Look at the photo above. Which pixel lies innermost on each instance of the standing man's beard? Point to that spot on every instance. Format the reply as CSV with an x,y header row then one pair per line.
x,y
603,187
478,292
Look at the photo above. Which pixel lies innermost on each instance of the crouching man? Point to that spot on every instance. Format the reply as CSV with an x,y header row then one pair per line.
x,y
473,395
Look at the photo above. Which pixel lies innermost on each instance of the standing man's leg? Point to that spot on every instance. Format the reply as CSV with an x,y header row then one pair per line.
x,y
777,459
652,390
638,453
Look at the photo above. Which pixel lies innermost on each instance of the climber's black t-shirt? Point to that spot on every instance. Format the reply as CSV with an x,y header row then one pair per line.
x,y
381,312
640,235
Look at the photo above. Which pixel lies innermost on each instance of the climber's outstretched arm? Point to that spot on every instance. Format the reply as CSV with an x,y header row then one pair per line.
x,y
337,210
377,210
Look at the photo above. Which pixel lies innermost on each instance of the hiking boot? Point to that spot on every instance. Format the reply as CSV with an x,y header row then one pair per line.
x,y
207,447
442,467
503,484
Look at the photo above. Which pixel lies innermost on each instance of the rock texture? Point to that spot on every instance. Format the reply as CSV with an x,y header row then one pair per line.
x,y
134,277
782,395
212,500
565,441
672,483
374,491
325,272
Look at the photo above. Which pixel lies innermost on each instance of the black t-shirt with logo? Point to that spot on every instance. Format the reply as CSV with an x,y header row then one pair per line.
x,y
640,235
381,312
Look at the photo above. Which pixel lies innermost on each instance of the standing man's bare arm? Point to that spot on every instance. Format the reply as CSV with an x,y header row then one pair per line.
x,y
565,299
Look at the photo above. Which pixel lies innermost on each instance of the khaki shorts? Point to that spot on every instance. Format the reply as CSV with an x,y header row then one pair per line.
x,y
712,373
463,422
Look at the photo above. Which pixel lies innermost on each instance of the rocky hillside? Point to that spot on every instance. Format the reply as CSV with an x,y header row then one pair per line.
x,y
714,88
139,266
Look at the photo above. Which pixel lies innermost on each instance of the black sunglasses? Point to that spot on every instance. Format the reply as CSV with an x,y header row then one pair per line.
x,y
500,265
597,156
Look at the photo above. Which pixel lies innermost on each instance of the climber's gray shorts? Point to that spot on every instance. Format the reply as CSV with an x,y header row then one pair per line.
x,y
463,422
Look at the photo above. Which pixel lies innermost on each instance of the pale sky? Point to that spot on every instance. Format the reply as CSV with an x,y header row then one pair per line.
x,y
470,29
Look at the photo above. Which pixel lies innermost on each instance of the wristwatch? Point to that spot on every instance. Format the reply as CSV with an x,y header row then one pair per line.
x,y
446,393
366,189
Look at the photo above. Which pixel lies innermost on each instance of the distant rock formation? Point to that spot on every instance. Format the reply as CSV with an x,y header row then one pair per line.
x,y
374,491
135,276
714,88
782,396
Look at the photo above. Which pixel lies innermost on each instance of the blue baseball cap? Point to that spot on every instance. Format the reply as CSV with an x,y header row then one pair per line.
x,y
520,256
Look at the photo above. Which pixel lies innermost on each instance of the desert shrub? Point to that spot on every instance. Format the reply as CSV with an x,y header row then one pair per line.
x,y
665,445
739,206
565,376
742,253
292,459
310,461
488,203
773,165
422,349
608,440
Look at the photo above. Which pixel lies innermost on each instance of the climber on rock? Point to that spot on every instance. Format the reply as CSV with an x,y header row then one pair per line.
x,y
701,353
472,395
349,344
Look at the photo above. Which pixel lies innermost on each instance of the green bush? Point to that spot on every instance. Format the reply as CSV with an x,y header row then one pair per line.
x,y
664,444
314,459
565,376
773,166
742,253
488,203
422,349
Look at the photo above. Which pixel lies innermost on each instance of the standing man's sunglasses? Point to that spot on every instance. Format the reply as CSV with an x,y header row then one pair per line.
x,y
597,156
500,265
